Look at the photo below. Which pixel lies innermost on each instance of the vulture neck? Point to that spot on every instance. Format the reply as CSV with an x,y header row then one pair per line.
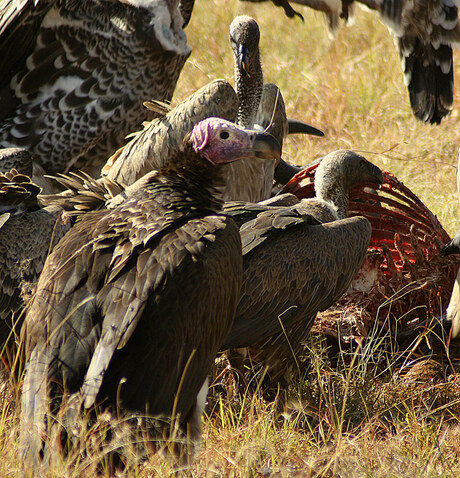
x,y
195,176
330,188
249,91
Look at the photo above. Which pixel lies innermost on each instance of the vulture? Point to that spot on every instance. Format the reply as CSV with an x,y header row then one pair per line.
x,y
260,106
404,278
134,303
28,232
150,148
298,259
75,74
424,33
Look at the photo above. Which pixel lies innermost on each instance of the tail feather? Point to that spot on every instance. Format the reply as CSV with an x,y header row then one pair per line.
x,y
430,79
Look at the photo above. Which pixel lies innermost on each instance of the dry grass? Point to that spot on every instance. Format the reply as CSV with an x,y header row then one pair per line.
x,y
355,417
351,87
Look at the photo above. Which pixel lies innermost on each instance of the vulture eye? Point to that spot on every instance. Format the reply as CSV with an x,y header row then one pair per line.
x,y
224,135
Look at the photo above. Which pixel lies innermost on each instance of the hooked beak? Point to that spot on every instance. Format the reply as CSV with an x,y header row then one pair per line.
x,y
242,60
377,172
297,126
266,146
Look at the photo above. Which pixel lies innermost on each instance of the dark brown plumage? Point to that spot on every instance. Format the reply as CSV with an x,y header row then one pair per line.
x,y
28,233
424,31
75,74
145,292
293,265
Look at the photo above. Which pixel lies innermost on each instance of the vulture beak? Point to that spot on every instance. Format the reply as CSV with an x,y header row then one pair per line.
x,y
449,249
377,172
242,60
284,172
297,126
266,146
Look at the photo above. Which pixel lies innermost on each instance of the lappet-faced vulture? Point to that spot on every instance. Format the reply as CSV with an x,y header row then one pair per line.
x,y
134,302
75,74
424,33
298,260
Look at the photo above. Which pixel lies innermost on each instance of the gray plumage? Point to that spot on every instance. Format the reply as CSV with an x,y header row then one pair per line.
x,y
244,38
251,179
144,292
298,260
259,106
76,74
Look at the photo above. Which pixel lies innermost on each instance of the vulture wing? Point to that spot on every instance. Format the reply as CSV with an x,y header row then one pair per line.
x,y
83,69
150,148
292,272
105,275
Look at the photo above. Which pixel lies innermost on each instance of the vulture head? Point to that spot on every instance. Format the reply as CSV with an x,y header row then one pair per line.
x,y
338,172
220,142
346,168
244,38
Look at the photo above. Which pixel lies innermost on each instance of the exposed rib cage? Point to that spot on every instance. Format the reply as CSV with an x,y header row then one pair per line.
x,y
413,281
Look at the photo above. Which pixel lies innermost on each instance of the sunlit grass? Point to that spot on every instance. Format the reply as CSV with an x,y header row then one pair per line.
x,y
352,418
351,87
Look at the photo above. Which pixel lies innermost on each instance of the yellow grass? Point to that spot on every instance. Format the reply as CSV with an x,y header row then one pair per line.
x,y
348,420
351,87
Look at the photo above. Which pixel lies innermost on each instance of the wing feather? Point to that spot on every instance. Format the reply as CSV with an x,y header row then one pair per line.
x,y
303,269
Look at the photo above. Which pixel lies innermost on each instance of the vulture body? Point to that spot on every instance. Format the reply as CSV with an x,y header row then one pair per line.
x,y
134,302
298,260
261,107
424,32
28,232
75,74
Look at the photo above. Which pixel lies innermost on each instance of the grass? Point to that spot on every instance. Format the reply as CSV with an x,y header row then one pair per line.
x,y
352,417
